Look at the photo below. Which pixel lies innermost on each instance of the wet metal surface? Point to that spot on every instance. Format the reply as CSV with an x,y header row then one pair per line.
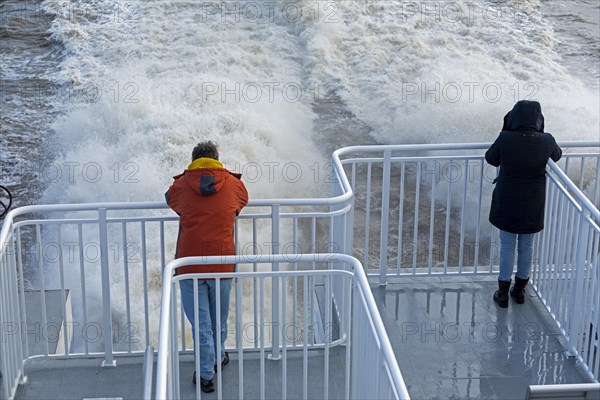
x,y
450,339
76,379
453,342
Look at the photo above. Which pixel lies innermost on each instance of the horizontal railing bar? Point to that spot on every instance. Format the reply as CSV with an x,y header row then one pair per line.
x,y
577,155
258,274
84,356
445,146
561,391
69,221
366,160
290,347
434,273
73,221
140,353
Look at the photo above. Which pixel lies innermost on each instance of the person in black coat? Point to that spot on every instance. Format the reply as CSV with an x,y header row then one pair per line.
x,y
521,151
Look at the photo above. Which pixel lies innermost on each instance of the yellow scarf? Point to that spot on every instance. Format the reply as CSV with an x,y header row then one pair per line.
x,y
205,163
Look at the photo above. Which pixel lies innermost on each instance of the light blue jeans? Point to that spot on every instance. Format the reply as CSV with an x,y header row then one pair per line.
x,y
524,244
207,303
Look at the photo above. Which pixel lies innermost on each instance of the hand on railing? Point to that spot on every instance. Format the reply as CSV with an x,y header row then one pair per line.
x,y
5,201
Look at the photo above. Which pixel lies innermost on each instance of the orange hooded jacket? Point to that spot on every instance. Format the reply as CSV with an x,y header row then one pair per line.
x,y
207,197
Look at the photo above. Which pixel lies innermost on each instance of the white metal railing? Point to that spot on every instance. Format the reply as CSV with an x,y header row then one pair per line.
x,y
423,183
107,258
367,355
11,356
567,274
452,192
423,209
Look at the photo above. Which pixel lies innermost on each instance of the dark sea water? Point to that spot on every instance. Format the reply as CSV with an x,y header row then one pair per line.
x,y
29,61
129,86
577,27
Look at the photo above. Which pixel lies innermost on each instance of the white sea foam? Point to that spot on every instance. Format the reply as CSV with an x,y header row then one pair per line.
x,y
157,84
156,77
431,72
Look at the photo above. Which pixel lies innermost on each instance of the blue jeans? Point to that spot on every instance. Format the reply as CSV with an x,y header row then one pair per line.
x,y
207,303
508,242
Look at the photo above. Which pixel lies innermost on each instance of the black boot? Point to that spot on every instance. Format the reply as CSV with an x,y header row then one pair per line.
x,y
518,290
501,295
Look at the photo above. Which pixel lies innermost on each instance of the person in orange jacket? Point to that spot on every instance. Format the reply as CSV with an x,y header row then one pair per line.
x,y
207,197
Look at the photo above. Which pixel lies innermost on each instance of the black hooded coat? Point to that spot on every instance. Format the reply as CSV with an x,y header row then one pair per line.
x,y
521,151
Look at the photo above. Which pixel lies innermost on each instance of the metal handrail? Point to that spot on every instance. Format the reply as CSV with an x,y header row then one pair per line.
x,y
360,279
446,146
559,392
8,223
148,370
336,160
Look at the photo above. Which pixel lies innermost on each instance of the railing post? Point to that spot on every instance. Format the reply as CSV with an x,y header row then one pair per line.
x,y
275,220
11,355
385,206
17,308
148,369
106,306
175,392
342,224
341,240
578,298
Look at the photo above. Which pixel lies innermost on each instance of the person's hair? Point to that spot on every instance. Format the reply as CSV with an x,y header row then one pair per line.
x,y
206,149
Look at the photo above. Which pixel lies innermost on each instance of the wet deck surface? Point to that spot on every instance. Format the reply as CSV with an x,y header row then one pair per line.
x,y
451,341
85,378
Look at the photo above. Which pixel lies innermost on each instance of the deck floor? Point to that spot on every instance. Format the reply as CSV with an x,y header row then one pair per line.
x,y
453,342
450,339
84,378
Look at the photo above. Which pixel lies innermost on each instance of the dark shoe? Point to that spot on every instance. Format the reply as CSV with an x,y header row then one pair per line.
x,y
501,295
224,362
518,290
207,386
